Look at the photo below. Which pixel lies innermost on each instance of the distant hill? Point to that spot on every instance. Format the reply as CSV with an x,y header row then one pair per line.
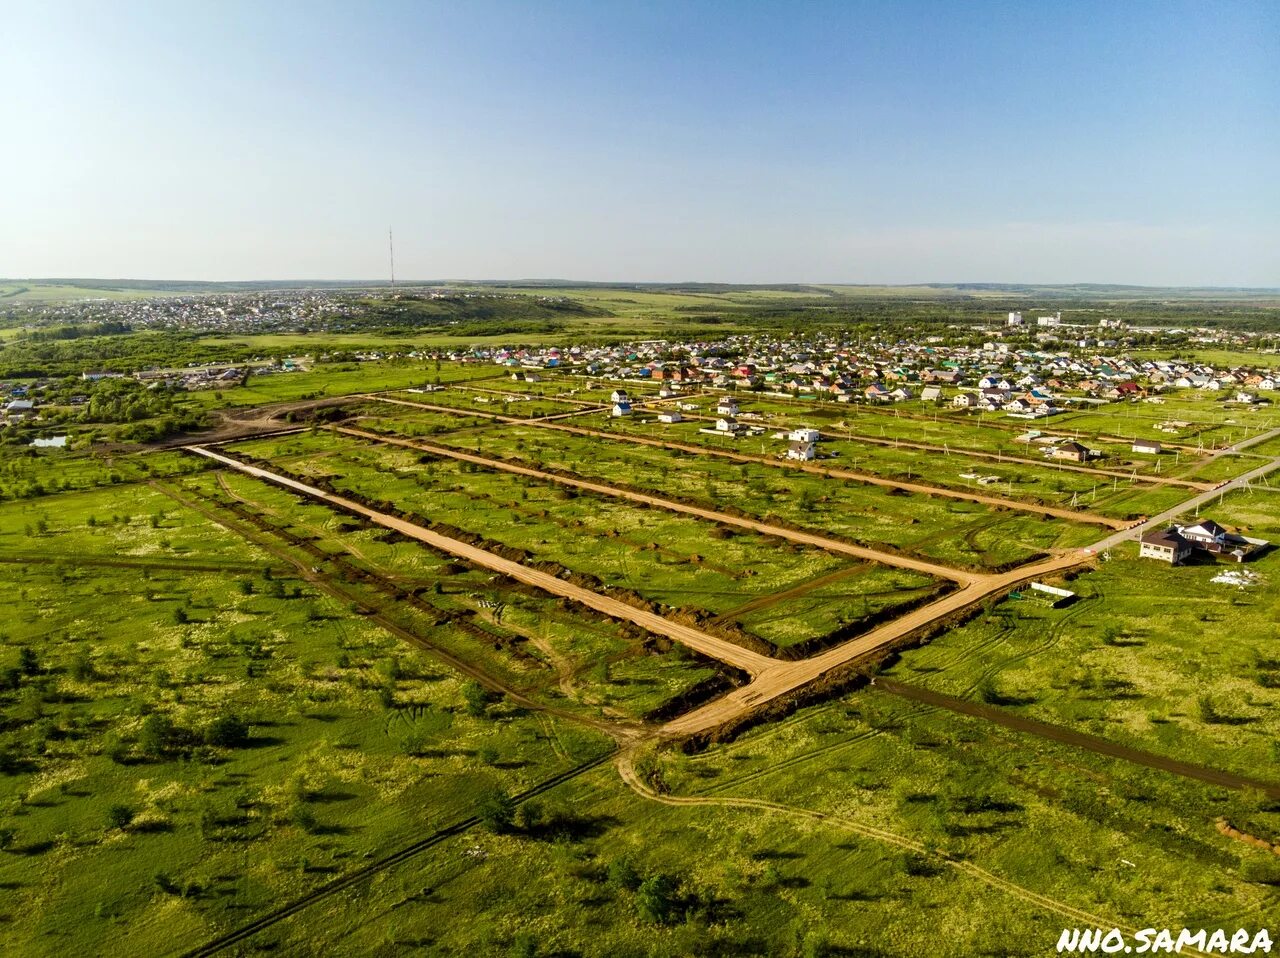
x,y
62,289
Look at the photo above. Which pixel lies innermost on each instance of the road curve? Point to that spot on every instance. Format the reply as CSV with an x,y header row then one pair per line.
x,y
784,677
835,473
781,532
720,649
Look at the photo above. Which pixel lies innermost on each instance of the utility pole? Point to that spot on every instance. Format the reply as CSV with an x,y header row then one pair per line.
x,y
391,249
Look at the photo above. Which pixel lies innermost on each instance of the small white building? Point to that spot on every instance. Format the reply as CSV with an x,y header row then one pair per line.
x,y
621,408
728,406
1149,447
801,450
804,434
670,416
619,396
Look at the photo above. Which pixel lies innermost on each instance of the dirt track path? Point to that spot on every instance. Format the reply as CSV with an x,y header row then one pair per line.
x,y
771,678
626,770
803,588
867,478
600,488
1003,457
1068,736
750,662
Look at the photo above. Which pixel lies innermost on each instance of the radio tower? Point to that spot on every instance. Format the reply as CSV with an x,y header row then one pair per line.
x,y
391,249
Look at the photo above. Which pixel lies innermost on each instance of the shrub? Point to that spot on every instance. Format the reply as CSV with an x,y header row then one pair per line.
x,y
227,731
656,899
495,809
119,816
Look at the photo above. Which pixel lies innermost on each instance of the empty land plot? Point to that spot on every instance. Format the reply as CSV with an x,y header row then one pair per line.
x,y
1151,656
334,379
839,608
520,638
137,816
818,828
1040,481
498,401
420,422
678,561
940,426
1216,468
52,471
957,533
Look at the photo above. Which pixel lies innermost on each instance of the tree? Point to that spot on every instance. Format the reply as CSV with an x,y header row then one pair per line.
x,y
623,875
495,809
156,734
119,816
476,697
227,731
28,661
656,898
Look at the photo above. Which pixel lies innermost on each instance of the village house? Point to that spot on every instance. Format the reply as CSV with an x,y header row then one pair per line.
x,y
621,408
1149,447
1071,451
1164,545
670,416
728,406
801,450
1175,544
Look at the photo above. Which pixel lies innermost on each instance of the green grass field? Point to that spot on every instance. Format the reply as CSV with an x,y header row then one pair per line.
x,y
949,531
680,562
1162,658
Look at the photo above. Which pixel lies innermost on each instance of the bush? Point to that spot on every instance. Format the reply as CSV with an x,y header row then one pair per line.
x,y
227,731
1264,871
656,899
623,875
302,816
495,809
119,816
476,697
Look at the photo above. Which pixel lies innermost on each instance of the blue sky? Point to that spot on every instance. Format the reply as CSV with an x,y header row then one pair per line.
x,y
739,142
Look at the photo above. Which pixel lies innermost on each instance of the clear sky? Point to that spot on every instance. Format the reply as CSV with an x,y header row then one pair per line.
x,y
741,141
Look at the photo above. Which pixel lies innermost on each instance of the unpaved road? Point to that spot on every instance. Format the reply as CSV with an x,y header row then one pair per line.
x,y
994,456
750,662
1076,916
833,472
771,678
600,488
1239,482
1068,736
784,677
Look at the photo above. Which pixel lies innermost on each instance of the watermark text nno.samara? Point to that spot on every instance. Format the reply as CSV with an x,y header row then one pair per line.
x,y
1083,941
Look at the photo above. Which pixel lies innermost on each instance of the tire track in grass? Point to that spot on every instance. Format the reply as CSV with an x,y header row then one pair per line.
x,y
356,877
1082,740
625,764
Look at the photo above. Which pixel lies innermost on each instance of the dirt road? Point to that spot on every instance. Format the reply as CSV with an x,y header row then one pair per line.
x,y
600,488
1068,736
626,771
833,472
994,456
785,677
751,662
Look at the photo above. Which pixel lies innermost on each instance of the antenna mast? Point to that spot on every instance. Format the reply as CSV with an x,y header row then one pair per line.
x,y
391,249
